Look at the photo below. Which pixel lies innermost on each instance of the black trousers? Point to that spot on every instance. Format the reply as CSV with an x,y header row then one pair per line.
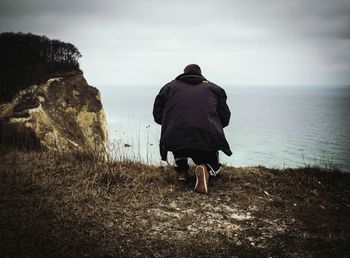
x,y
208,158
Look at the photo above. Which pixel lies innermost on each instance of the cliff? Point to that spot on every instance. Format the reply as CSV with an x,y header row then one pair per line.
x,y
64,113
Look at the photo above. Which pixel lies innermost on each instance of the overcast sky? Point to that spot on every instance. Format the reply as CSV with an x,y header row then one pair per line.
x,y
250,42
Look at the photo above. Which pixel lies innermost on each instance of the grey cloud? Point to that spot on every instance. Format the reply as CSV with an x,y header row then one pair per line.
x,y
20,8
312,18
314,32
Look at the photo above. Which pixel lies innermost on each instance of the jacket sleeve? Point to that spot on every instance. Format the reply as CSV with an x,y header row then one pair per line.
x,y
158,106
223,109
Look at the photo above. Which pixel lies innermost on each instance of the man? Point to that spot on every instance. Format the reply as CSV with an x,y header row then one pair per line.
x,y
193,113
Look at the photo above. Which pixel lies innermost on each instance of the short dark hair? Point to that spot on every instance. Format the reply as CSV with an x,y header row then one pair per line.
x,y
193,68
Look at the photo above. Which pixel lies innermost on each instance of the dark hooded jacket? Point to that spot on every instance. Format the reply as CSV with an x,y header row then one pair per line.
x,y
193,113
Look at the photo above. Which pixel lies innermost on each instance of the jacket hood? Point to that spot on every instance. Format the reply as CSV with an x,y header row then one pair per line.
x,y
191,78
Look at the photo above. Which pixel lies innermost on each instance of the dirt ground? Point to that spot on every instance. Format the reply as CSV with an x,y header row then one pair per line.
x,y
76,206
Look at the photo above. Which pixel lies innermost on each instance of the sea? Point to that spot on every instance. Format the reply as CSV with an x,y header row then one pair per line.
x,y
276,127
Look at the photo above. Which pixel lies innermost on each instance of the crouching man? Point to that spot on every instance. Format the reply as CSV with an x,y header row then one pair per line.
x,y
193,112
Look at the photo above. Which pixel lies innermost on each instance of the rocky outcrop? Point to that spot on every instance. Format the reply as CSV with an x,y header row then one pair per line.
x,y
65,113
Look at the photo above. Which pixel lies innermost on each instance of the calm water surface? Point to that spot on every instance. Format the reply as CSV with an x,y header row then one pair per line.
x,y
274,127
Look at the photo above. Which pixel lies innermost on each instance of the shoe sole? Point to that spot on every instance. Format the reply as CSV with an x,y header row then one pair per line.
x,y
201,176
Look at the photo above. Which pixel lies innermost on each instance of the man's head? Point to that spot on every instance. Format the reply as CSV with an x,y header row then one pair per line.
x,y
193,68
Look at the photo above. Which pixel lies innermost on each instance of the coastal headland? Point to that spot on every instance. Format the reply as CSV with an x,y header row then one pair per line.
x,y
61,195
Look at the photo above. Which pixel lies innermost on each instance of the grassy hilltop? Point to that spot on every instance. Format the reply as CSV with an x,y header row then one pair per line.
x,y
75,205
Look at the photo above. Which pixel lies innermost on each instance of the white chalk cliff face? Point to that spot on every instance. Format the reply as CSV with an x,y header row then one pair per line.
x,y
65,113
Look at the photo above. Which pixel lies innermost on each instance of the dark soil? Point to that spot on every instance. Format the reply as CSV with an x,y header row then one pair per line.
x,y
75,205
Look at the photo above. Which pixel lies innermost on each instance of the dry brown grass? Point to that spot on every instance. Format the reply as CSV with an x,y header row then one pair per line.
x,y
78,205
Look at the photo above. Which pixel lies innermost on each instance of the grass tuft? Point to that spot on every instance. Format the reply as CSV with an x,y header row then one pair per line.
x,y
79,204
